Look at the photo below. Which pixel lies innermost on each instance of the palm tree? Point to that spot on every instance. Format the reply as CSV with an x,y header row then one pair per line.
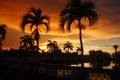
x,y
68,46
26,43
52,46
115,47
35,18
116,60
78,50
2,34
76,10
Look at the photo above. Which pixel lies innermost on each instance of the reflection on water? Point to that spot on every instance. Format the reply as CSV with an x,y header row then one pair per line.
x,y
87,65
79,65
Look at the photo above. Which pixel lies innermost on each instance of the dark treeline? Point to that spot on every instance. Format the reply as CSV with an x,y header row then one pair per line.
x,y
99,59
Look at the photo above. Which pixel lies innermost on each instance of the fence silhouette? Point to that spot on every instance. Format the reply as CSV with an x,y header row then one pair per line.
x,y
11,66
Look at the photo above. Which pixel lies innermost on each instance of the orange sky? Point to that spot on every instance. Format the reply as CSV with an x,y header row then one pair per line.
x,y
103,35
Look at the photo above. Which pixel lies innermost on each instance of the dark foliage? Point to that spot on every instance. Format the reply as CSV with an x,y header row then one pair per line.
x,y
100,58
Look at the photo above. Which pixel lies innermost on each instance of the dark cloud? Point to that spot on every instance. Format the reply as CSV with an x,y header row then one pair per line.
x,y
105,45
113,3
107,42
12,38
109,15
110,9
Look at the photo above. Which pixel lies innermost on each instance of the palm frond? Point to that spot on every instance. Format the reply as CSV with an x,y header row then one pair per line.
x,y
73,3
88,5
45,17
39,12
28,17
3,31
46,25
64,12
24,23
92,17
31,26
62,22
32,11
70,21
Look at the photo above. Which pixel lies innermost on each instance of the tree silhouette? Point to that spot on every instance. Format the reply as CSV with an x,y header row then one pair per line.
x,y
68,47
35,35
116,60
115,47
35,18
106,59
27,43
76,10
2,34
52,46
100,59
78,50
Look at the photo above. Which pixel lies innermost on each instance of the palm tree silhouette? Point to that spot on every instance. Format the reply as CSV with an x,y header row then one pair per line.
x,y
115,47
76,10
52,46
78,50
26,43
116,60
68,46
35,18
2,34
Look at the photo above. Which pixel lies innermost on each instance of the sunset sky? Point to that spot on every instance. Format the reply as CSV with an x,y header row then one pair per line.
x,y
102,36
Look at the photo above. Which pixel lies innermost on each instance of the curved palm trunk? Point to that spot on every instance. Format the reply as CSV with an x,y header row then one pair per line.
x,y
36,69
81,43
68,49
0,46
37,39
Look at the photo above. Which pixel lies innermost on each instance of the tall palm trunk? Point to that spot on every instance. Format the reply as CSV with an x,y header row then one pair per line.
x,y
81,43
0,44
115,50
80,37
68,50
37,38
